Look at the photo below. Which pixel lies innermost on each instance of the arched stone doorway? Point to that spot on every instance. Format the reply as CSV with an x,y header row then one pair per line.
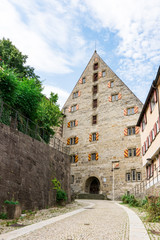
x,y
92,185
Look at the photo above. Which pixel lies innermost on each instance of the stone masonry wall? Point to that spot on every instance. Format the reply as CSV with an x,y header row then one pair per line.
x,y
26,169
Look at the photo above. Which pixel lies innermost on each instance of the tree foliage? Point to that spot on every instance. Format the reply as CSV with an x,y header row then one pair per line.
x,y
14,59
25,93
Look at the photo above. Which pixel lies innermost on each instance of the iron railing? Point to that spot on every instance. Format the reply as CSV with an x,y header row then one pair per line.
x,y
11,117
144,185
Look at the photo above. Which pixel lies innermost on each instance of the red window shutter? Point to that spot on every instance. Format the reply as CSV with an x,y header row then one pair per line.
x,y
76,158
125,132
77,106
145,118
137,152
68,141
89,157
80,80
137,130
155,130
135,109
97,136
155,95
110,99
99,74
90,137
147,142
150,109
144,147
151,138
126,153
125,112
109,84
79,93
76,122
119,96
69,109
96,156
68,125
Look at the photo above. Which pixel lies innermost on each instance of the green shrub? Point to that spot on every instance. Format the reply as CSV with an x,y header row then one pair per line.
x,y
11,202
130,199
3,216
61,195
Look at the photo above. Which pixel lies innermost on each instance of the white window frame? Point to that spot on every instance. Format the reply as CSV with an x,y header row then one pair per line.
x,y
133,173
128,177
138,176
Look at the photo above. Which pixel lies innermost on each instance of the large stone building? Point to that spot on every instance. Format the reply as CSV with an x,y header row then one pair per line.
x,y
99,125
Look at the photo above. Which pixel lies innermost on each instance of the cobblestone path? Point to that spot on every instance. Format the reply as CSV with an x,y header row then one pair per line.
x,y
104,221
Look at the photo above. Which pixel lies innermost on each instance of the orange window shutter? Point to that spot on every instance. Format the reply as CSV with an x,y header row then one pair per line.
x,y
76,158
135,109
69,109
79,93
125,112
80,80
68,125
96,156
68,141
99,75
119,96
125,132
89,157
110,99
109,84
137,130
137,152
77,106
126,153
76,141
76,122
90,137
97,136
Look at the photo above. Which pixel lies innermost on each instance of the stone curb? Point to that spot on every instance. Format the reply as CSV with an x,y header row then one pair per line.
x,y
25,230
137,230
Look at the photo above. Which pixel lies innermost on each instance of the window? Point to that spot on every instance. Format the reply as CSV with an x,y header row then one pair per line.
x,y
95,66
72,179
149,141
72,158
73,108
152,103
73,123
130,111
138,176
112,84
75,94
93,156
153,136
73,141
93,136
132,152
157,126
83,80
95,89
94,103
114,97
94,119
133,175
143,124
128,177
131,130
103,73
95,77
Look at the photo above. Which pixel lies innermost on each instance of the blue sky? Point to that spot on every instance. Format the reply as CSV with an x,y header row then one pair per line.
x,y
59,38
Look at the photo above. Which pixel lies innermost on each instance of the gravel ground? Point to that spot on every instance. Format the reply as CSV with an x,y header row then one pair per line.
x,y
36,216
105,221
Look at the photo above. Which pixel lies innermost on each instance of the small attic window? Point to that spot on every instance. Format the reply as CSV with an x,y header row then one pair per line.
x,y
83,80
95,66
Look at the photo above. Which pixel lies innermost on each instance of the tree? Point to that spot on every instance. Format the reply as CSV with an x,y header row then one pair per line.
x,y
14,59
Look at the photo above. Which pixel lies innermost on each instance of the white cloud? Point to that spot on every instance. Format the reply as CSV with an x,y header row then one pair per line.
x,y
62,94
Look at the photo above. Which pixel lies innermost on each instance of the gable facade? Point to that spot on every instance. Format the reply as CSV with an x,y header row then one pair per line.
x,y
100,128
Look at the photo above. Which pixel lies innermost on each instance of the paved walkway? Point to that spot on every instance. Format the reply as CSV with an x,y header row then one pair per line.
x,y
101,220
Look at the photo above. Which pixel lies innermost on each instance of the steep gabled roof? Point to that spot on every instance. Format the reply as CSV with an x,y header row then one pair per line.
x,y
152,88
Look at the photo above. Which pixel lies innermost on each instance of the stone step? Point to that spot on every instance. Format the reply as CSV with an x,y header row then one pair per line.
x,y
91,196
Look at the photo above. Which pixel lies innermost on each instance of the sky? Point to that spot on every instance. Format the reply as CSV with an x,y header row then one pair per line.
x,y
60,36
